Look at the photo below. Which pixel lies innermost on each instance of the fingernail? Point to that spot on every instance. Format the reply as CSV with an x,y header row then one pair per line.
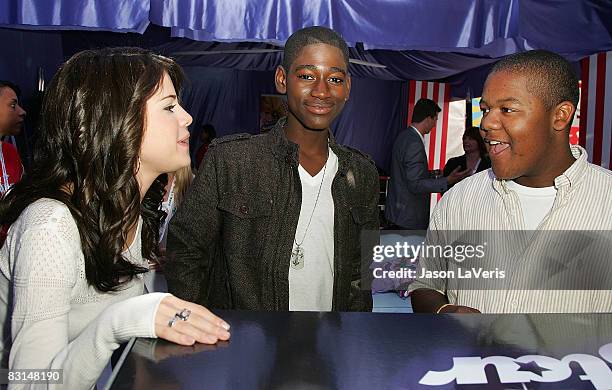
x,y
189,340
225,325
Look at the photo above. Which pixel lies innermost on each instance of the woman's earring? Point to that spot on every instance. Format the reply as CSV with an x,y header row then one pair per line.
x,y
138,166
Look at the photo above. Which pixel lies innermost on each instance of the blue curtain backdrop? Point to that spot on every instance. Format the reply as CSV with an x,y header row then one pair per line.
x,y
23,54
371,119
229,99
448,41
225,96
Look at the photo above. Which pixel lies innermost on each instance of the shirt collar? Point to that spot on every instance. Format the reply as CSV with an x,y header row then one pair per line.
x,y
287,151
566,180
419,133
576,171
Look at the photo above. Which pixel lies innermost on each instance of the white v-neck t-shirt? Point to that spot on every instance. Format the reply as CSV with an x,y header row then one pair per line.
x,y
311,287
536,203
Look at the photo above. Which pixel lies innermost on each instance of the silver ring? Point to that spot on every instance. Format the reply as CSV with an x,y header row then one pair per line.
x,y
183,315
172,321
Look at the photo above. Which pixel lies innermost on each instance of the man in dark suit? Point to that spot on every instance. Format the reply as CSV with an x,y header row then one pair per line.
x,y
411,184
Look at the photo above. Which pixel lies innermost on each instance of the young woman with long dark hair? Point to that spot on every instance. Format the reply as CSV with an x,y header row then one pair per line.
x,y
84,221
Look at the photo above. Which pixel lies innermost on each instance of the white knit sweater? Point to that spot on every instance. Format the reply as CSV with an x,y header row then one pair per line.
x,y
50,314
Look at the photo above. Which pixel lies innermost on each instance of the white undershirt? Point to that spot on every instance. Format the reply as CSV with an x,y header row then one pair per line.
x,y
535,202
311,288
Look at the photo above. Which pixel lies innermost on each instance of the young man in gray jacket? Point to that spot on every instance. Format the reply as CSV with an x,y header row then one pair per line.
x,y
273,221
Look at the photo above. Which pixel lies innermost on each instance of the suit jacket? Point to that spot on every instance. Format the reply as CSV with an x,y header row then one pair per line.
x,y
410,185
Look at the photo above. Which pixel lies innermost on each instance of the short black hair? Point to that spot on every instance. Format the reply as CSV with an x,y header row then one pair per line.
x,y
424,108
310,36
549,76
8,84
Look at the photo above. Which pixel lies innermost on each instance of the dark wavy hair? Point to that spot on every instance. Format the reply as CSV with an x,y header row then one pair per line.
x,y
86,156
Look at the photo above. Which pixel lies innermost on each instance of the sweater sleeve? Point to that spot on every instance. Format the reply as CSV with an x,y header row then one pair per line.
x,y
43,277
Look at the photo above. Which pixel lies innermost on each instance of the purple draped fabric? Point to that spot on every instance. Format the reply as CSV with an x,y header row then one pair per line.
x,y
444,40
487,28
453,68
241,56
574,29
435,25
109,15
491,28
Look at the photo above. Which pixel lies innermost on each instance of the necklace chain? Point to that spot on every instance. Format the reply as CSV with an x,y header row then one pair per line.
x,y
315,205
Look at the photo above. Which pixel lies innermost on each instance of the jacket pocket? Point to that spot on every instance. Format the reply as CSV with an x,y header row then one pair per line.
x,y
245,206
246,223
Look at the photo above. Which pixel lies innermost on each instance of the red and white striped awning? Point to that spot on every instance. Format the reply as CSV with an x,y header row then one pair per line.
x,y
595,133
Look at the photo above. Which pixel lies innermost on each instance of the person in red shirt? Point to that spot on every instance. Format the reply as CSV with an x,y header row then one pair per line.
x,y
12,117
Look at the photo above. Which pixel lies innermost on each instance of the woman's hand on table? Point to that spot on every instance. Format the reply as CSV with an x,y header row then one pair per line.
x,y
186,323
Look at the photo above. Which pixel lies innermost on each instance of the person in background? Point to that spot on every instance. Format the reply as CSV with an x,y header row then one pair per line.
x,y
475,158
176,186
12,117
206,136
175,191
411,185
86,218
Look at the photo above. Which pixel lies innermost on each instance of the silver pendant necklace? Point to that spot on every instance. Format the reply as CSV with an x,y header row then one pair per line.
x,y
297,254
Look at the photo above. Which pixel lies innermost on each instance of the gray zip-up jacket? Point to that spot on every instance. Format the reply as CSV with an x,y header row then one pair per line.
x,y
230,242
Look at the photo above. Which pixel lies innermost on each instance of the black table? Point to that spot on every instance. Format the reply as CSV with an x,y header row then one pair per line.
x,y
382,351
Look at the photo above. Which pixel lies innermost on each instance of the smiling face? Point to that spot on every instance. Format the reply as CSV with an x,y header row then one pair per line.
x,y
317,86
518,130
165,144
11,113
